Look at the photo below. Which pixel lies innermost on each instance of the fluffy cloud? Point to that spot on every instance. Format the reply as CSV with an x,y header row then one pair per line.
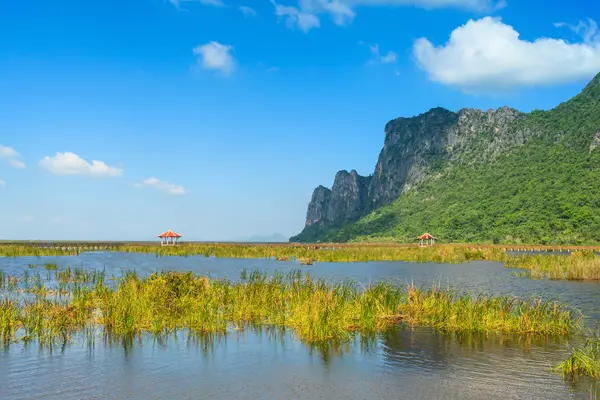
x,y
215,56
305,16
11,156
71,164
247,11
2,183
166,187
488,54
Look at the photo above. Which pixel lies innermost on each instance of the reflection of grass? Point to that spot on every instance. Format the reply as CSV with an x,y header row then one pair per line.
x,y
580,265
318,312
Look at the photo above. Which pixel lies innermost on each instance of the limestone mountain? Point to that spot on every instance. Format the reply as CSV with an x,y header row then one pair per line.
x,y
499,175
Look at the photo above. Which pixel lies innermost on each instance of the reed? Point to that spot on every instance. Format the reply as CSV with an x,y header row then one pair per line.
x,y
317,311
580,265
583,361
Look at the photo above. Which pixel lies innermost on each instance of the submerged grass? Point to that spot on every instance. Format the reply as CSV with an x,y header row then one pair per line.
x,y
580,265
318,312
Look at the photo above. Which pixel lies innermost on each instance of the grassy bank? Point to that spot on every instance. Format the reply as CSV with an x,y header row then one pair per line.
x,y
581,265
321,253
316,311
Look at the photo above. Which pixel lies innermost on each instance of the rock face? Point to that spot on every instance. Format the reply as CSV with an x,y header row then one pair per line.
x,y
595,142
347,200
414,149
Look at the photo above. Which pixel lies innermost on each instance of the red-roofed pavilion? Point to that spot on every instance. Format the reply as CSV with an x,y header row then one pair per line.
x,y
169,238
426,239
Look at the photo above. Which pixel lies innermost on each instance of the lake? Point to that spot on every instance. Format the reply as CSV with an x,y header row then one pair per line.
x,y
405,363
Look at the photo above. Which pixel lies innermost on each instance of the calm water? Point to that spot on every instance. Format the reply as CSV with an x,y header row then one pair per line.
x,y
403,364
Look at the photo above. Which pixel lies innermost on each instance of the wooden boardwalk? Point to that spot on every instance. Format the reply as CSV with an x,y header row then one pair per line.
x,y
68,246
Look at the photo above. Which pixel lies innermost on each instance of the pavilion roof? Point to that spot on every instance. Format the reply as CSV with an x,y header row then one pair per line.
x,y
169,233
426,236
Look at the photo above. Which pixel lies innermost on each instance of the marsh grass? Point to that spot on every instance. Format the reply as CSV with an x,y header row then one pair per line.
x,y
318,312
330,253
580,265
287,252
50,267
583,361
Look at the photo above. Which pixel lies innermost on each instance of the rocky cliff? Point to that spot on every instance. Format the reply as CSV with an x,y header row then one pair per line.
x,y
413,149
472,175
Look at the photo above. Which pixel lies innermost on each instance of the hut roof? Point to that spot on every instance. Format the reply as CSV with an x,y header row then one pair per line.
x,y
426,236
169,233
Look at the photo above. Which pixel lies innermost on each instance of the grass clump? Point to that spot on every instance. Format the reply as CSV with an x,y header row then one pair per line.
x,y
50,267
317,311
583,361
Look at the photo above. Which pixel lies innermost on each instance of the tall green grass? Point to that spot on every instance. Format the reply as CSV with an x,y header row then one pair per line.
x,y
580,265
317,311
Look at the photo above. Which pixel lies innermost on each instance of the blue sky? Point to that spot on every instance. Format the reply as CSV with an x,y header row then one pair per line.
x,y
218,118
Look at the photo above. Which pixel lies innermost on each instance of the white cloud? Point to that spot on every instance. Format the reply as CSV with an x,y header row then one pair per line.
x,y
214,3
488,54
295,18
390,57
273,69
166,187
17,163
2,183
472,5
11,156
247,11
587,30
215,56
27,218
8,152
305,16
57,220
71,164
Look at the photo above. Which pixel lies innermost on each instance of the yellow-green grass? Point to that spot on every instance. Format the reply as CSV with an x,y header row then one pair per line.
x,y
320,253
581,265
318,312
583,361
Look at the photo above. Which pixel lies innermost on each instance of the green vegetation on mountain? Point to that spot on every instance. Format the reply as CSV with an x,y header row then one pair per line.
x,y
544,191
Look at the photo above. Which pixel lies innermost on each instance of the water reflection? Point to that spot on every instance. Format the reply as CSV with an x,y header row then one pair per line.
x,y
407,363
250,363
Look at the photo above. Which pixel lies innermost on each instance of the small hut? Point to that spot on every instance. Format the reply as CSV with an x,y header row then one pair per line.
x,y
169,238
426,239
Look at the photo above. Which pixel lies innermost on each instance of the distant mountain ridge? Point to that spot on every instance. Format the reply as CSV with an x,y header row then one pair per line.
x,y
498,176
